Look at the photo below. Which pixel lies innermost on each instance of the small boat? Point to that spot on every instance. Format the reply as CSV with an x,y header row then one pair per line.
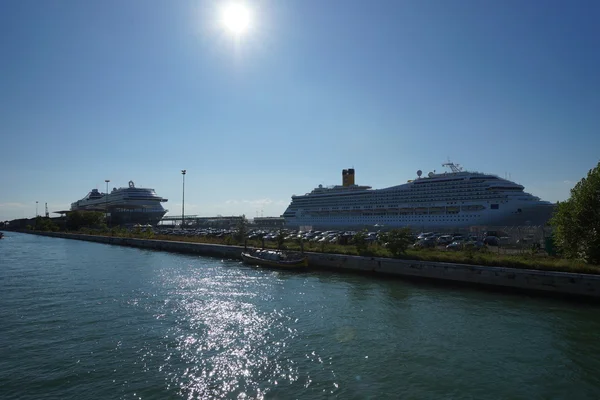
x,y
1,235
275,259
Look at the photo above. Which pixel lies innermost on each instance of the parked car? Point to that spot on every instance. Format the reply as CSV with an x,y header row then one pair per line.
x,y
444,240
491,241
425,243
456,245
474,244
498,234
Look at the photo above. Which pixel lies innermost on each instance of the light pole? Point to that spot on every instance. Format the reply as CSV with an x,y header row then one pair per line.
x,y
106,202
36,209
183,200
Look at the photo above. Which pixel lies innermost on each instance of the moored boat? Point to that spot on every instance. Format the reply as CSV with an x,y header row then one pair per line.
x,y
275,259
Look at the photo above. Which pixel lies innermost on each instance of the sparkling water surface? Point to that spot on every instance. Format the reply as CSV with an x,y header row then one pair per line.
x,y
81,320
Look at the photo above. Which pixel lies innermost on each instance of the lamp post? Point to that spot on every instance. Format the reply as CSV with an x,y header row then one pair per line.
x,y
106,202
183,200
36,209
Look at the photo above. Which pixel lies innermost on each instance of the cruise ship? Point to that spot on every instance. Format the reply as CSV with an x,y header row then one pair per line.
x,y
455,199
125,206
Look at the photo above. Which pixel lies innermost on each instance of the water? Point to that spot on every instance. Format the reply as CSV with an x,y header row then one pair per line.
x,y
87,320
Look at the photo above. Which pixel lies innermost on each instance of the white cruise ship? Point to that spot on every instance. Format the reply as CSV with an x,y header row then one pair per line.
x,y
455,199
125,206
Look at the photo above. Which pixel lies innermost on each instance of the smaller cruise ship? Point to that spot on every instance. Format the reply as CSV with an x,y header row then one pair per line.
x,y
125,206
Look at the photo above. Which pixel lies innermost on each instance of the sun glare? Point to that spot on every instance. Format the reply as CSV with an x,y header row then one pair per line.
x,y
236,18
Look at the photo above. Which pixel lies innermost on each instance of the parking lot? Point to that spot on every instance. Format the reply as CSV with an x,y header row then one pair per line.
x,y
499,241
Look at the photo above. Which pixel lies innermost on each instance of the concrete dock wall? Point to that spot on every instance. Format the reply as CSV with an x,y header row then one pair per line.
x,y
564,283
560,283
217,250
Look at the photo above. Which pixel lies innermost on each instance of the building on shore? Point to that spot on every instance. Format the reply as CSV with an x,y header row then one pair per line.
x,y
269,222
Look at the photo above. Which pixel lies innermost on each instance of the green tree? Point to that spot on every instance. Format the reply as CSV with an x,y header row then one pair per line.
x,y
360,241
85,219
397,240
241,230
44,224
280,239
577,221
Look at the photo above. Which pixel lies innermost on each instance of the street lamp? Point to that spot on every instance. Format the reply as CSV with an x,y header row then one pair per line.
x,y
183,200
36,209
106,202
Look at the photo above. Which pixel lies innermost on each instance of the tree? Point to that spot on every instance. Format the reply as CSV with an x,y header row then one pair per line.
x,y
85,219
577,221
360,241
45,224
280,239
241,230
397,240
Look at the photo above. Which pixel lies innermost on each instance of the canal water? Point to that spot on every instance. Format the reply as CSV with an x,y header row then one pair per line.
x,y
82,320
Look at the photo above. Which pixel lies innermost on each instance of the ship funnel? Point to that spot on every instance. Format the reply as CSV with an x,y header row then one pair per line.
x,y
348,177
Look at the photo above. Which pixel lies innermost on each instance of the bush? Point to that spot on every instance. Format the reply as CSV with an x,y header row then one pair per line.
x,y
360,242
397,240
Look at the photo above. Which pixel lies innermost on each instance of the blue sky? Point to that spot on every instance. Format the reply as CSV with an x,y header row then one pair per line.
x,y
138,90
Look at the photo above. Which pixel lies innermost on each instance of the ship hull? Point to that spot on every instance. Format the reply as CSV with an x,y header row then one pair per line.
x,y
537,215
120,216
134,218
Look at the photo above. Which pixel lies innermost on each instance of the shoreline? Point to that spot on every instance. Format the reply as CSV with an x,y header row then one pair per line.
x,y
528,280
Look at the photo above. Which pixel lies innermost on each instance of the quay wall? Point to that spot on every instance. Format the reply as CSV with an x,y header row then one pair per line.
x,y
550,282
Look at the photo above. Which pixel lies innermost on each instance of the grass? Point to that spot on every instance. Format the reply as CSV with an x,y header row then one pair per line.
x,y
525,260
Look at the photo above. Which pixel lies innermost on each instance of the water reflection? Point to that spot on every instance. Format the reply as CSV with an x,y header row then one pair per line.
x,y
99,321
193,327
228,345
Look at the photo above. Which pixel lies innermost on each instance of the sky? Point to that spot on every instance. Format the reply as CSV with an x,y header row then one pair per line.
x,y
139,90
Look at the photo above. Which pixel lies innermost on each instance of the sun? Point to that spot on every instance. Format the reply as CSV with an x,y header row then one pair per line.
x,y
236,18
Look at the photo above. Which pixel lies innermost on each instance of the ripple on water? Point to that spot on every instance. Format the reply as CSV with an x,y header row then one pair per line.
x,y
223,343
97,321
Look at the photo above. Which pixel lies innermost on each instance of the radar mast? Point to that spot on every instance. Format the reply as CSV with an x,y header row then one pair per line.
x,y
455,168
